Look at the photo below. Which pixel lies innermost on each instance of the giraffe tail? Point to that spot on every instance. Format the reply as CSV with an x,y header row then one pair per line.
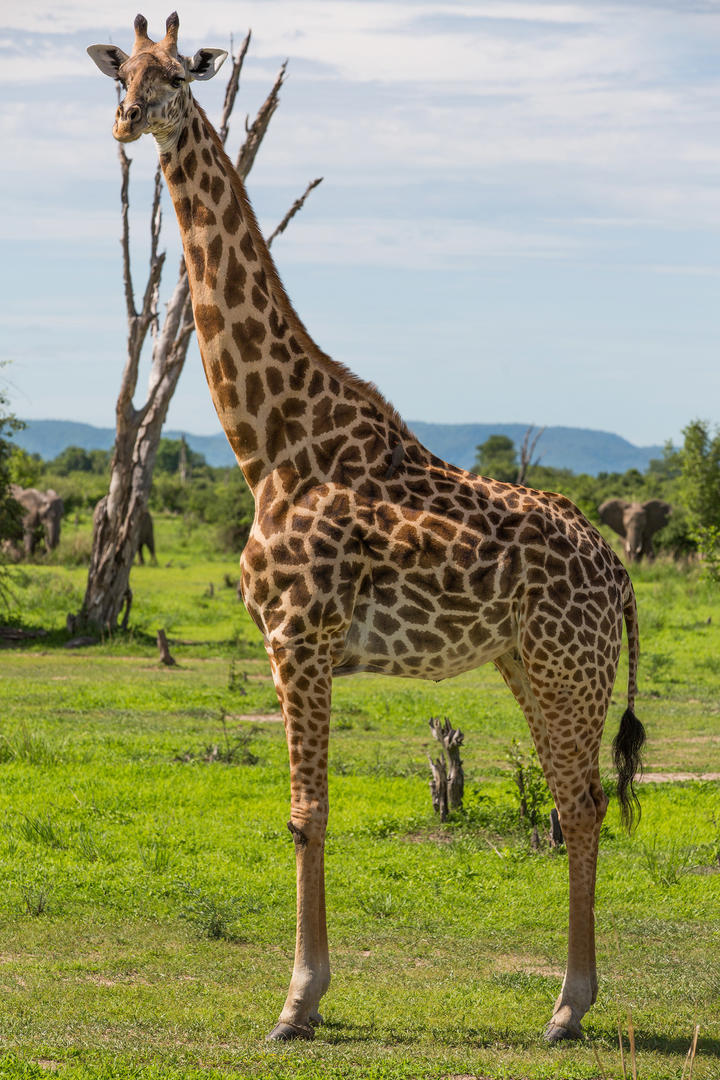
x,y
628,743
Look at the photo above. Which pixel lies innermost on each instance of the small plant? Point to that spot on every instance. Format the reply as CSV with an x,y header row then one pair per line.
x,y
212,916
380,905
87,845
26,745
156,855
235,751
35,898
667,866
41,830
531,790
10,838
656,665
236,679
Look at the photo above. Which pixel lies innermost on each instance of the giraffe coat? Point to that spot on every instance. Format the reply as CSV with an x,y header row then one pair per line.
x,y
367,553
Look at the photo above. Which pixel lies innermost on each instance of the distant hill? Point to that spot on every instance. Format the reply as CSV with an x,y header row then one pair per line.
x,y
579,449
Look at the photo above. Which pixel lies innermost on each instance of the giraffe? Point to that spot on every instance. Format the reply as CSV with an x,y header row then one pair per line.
x,y
367,552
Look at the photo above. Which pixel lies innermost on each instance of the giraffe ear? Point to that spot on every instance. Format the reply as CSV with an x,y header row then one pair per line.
x,y
206,63
108,58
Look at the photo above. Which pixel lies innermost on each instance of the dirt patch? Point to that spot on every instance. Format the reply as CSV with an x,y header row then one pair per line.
x,y
132,978
49,1064
430,836
675,777
694,739
527,965
256,718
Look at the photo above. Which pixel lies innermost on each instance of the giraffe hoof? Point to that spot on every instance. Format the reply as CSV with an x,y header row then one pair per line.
x,y
283,1032
558,1032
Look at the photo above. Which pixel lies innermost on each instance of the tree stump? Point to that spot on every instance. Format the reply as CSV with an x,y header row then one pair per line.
x,y
162,643
556,834
439,786
447,784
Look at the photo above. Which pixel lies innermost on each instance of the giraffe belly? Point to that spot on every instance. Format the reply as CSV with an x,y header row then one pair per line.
x,y
437,648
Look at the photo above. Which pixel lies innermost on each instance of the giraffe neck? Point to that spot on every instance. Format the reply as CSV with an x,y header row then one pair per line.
x,y
276,393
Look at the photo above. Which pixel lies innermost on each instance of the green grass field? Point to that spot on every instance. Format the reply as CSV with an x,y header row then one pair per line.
x,y
147,908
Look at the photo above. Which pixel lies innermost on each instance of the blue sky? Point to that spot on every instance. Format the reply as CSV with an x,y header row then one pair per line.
x,y
519,218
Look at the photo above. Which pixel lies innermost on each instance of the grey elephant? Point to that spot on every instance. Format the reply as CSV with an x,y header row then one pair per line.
x,y
637,523
147,538
41,518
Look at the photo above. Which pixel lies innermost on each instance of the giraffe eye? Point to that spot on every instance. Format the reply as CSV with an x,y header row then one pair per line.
x,y
177,82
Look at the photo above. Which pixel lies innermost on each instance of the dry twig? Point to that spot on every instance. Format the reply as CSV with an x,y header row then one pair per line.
x,y
297,205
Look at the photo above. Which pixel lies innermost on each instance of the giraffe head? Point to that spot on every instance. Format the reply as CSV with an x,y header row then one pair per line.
x,y
156,80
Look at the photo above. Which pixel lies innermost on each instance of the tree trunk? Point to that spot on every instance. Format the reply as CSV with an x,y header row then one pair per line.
x,y
117,519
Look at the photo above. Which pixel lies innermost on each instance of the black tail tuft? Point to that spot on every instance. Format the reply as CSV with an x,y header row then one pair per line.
x,y
627,753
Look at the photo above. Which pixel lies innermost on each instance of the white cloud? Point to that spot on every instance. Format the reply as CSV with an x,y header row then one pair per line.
x,y
433,244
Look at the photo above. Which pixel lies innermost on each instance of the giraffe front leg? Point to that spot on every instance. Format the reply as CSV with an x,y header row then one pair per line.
x,y
303,683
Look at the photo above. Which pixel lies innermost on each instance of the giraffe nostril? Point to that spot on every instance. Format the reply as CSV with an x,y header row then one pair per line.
x,y
133,113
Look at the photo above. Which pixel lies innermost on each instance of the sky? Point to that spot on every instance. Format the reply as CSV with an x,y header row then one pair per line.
x,y
519,219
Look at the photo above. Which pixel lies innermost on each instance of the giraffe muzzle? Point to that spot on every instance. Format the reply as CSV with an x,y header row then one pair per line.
x,y
130,122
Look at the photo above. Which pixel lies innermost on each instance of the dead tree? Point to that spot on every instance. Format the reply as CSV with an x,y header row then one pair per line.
x,y
116,525
447,782
527,450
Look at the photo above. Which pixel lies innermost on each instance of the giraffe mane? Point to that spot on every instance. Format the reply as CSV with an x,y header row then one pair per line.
x,y
348,378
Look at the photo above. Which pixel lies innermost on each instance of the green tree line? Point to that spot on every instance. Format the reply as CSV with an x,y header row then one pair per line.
x,y
183,484
688,477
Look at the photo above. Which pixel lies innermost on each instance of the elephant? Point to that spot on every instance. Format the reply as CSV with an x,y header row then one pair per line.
x,y
637,523
147,538
146,535
42,510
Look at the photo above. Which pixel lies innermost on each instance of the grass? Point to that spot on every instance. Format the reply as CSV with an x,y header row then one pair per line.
x,y
147,913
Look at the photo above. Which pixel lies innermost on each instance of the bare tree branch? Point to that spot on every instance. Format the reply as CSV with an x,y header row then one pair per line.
x,y
297,205
125,163
256,131
527,450
232,88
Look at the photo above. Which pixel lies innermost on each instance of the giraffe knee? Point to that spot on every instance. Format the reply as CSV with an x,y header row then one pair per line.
x,y
307,824
585,812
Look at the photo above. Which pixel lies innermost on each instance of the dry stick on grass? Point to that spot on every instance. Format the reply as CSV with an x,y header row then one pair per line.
x,y
603,1075
690,1059
631,1037
162,643
622,1052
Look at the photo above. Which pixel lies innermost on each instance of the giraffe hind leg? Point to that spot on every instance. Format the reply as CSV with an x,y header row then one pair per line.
x,y
567,743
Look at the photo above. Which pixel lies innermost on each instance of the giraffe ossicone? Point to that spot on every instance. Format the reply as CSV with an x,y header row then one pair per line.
x,y
367,552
